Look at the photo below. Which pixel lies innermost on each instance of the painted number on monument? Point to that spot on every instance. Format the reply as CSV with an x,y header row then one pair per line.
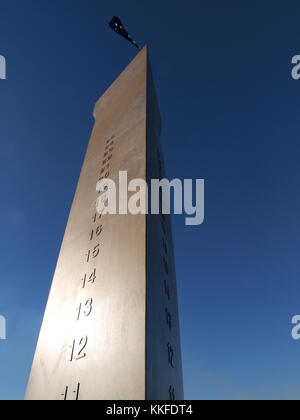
x,y
96,217
105,166
77,349
90,279
169,319
93,253
96,233
170,355
172,393
84,310
68,394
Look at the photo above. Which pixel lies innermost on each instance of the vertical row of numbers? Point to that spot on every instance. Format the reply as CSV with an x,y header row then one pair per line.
x,y
166,286
78,348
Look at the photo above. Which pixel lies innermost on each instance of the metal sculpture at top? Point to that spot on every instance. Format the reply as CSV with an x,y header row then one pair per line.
x,y
117,26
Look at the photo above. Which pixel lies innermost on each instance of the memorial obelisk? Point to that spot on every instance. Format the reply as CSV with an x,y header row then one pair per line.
x,y
111,327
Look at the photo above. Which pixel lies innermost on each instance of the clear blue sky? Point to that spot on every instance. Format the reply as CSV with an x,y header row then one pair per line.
x,y
230,114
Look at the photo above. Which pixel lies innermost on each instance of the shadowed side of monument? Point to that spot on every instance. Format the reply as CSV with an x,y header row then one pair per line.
x,y
164,365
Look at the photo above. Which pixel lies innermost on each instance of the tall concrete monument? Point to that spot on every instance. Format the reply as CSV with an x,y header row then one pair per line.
x,y
111,328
